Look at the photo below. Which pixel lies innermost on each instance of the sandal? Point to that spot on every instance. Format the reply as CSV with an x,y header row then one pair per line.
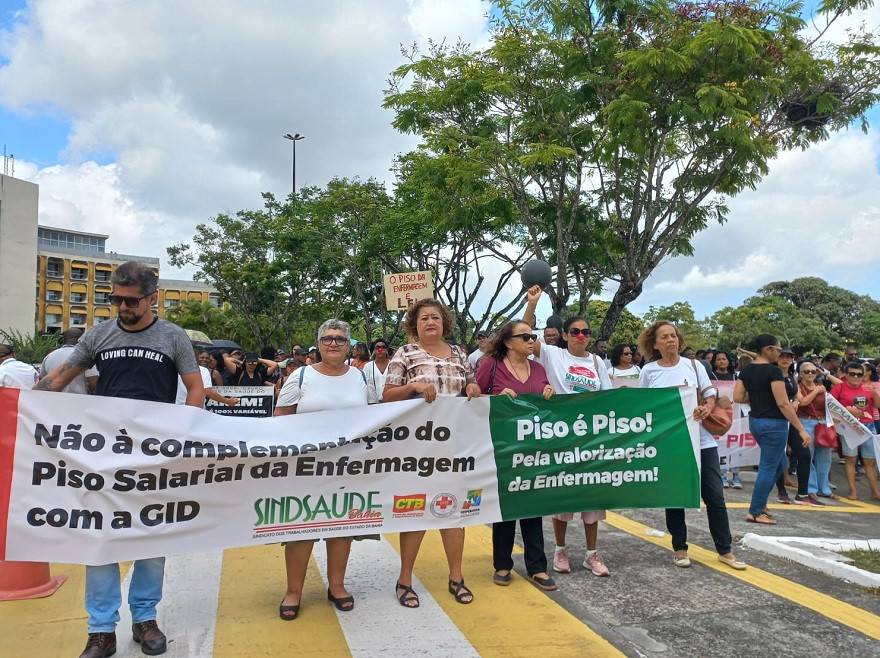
x,y
288,612
461,592
343,603
761,519
766,512
409,596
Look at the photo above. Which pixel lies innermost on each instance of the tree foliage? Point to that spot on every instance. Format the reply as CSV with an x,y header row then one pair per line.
x,y
616,129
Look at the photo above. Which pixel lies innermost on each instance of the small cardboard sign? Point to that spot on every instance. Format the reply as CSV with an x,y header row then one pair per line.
x,y
405,289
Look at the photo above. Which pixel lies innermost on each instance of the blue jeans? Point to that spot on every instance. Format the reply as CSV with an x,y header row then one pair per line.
x,y
104,593
820,458
771,435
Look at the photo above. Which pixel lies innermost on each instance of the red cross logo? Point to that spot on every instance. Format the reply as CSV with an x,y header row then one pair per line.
x,y
444,502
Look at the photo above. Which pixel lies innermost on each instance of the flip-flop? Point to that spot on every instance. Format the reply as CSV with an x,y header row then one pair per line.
x,y
756,519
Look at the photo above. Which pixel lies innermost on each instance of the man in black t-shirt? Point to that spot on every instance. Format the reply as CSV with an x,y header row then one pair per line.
x,y
139,357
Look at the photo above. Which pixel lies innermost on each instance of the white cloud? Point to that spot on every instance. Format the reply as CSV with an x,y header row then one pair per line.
x,y
191,103
810,216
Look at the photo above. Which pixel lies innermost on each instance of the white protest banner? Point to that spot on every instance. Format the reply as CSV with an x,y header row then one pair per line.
x,y
847,425
97,480
253,401
738,447
406,288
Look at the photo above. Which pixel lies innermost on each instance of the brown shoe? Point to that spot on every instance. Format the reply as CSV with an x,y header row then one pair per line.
x,y
100,645
148,635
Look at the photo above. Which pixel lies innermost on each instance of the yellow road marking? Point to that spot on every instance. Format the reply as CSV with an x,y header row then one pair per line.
x,y
836,610
848,509
503,621
252,585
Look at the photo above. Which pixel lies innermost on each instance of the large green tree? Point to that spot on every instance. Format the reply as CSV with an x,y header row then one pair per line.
x,y
617,128
848,315
270,264
769,314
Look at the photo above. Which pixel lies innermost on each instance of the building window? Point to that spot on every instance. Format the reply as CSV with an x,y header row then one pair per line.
x,y
102,276
53,319
55,268
102,297
99,319
77,320
53,295
78,274
67,240
78,297
171,303
214,298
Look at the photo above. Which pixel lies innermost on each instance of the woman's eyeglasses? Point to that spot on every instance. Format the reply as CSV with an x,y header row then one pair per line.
x,y
574,331
334,340
525,337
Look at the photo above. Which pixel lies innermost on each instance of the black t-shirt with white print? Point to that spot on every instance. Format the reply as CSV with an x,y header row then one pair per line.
x,y
141,365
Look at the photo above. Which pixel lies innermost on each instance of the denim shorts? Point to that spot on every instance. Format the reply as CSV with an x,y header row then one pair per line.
x,y
866,449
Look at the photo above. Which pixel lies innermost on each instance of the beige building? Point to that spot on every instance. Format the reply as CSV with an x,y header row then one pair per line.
x,y
18,251
71,268
73,281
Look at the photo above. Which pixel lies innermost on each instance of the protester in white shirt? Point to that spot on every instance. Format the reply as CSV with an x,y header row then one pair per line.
x,y
14,373
80,384
572,369
660,343
475,356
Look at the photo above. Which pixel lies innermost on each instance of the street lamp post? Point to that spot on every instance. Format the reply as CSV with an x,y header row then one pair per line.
x,y
293,140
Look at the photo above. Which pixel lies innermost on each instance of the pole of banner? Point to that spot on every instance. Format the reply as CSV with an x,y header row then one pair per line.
x,y
27,580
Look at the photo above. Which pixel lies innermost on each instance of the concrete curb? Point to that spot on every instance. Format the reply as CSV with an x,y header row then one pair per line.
x,y
819,554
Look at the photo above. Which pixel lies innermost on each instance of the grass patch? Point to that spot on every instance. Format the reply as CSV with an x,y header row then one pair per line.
x,y
864,558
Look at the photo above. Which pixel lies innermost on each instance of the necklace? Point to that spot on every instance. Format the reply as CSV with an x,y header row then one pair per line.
x,y
516,373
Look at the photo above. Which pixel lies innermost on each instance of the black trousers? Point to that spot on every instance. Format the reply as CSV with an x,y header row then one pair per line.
x,y
532,531
712,493
798,454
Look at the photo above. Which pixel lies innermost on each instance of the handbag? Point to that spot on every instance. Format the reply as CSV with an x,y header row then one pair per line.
x,y
825,436
719,420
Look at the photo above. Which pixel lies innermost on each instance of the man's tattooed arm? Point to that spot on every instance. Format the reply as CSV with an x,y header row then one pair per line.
x,y
58,378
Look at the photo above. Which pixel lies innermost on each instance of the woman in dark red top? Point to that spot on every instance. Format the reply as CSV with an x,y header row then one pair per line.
x,y
507,370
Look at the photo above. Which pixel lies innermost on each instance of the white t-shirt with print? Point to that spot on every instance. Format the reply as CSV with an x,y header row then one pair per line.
x,y
573,374
681,374
320,392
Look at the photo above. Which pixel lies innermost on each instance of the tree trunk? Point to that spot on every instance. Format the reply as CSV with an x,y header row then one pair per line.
x,y
626,292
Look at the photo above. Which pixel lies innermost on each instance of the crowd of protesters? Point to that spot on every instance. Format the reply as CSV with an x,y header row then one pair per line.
x,y
785,394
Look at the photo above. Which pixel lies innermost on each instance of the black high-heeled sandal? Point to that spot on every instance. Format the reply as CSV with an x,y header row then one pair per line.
x,y
284,611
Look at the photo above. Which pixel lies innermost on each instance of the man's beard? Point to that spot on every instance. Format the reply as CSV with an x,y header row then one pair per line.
x,y
129,319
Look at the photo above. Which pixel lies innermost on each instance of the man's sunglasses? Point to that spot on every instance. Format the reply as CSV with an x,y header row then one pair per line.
x,y
579,332
131,302
850,373
525,337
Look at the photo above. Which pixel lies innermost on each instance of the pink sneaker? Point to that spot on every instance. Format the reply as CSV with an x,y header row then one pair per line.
x,y
596,564
560,561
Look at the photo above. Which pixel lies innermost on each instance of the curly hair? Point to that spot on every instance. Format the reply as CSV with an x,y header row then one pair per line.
x,y
497,346
649,336
412,317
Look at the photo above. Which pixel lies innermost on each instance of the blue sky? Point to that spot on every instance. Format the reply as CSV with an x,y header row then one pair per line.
x,y
140,123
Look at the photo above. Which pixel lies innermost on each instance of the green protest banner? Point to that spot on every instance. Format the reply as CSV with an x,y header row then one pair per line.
x,y
625,448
